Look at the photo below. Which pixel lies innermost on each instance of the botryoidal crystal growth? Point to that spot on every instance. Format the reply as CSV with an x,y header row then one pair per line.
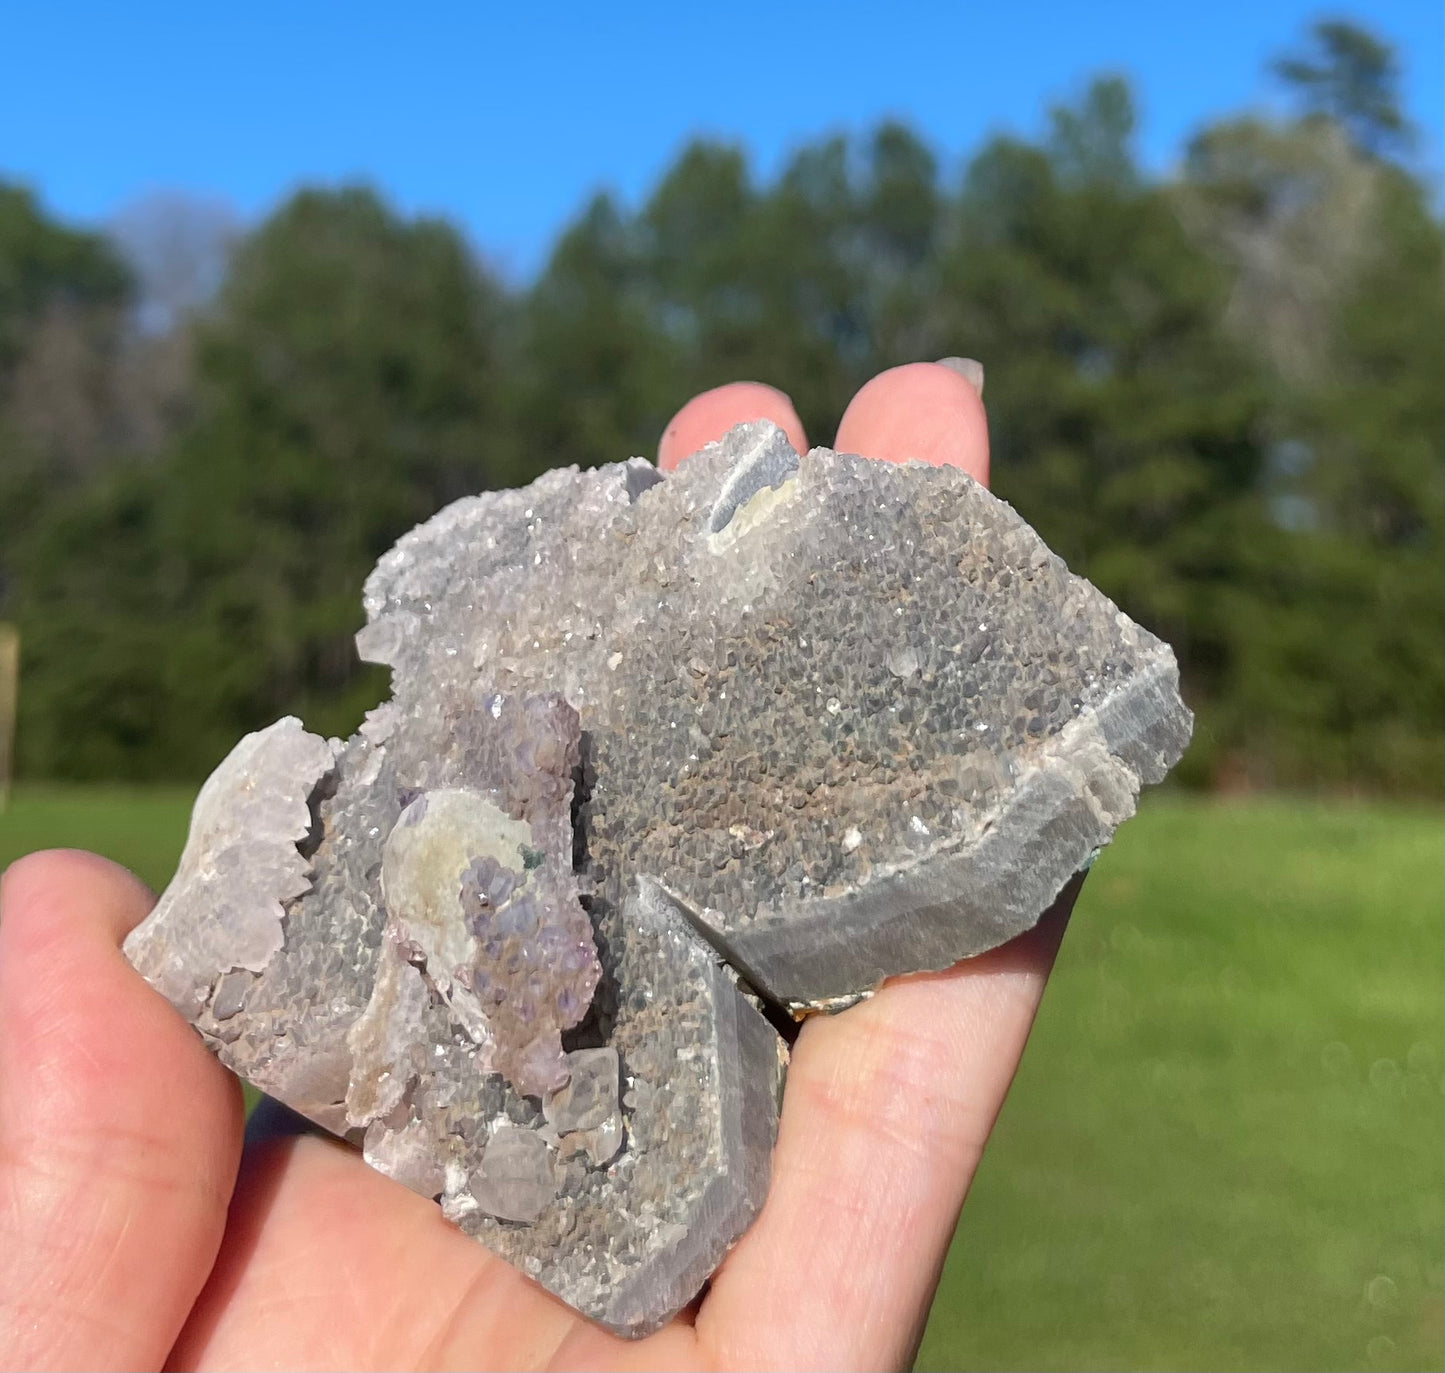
x,y
659,751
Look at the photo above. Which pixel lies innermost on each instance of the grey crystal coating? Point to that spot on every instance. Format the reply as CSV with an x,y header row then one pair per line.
x,y
591,1095
621,1207
867,724
631,1242
808,720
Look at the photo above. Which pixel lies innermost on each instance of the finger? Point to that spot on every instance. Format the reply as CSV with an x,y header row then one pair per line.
x,y
886,1112
926,412
119,1133
708,417
328,1264
968,368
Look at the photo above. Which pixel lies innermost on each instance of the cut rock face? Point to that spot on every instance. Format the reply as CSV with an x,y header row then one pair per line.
x,y
804,721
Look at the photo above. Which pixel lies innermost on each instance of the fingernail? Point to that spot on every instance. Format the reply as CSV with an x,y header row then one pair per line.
x,y
967,368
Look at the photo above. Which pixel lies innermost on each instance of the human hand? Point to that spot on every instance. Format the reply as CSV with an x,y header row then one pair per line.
x,y
127,1239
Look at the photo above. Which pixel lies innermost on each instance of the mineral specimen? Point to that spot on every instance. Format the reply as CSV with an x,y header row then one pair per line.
x,y
775,727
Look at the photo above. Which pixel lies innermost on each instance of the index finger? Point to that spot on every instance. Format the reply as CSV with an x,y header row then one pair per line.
x,y
119,1133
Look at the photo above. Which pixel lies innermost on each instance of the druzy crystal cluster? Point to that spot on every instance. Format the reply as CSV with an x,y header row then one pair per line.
x,y
665,759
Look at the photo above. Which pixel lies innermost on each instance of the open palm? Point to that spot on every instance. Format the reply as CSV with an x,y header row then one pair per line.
x,y
127,1238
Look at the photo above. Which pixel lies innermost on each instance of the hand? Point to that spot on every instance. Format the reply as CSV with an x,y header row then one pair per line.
x,y
127,1239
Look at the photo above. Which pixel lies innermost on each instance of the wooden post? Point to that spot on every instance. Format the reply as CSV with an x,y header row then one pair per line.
x,y
9,696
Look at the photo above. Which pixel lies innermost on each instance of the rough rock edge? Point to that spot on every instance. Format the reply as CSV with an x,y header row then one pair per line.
x,y
273,776
387,590
1069,806
749,1088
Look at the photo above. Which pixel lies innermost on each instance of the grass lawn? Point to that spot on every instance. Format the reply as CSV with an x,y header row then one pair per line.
x,y
144,828
1224,1148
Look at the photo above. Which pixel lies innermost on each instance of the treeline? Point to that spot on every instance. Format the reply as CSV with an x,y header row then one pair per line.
x,y
1218,394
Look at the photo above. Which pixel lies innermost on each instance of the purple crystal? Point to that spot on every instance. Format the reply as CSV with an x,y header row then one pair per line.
x,y
459,886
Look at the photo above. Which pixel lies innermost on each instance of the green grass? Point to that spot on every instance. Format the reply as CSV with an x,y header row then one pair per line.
x,y
1224,1148
143,828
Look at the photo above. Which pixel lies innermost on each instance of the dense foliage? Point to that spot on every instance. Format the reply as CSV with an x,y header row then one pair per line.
x,y
1218,395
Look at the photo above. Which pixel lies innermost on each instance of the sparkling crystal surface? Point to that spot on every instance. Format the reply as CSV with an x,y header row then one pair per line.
x,y
855,715
804,721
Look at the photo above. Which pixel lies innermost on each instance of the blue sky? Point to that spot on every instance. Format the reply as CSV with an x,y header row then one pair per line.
x,y
505,118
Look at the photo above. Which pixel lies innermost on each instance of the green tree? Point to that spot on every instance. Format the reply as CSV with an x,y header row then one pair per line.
x,y
812,283
352,381
1347,76
597,371
1123,417
44,265
1217,394
63,295
1348,666
1335,263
